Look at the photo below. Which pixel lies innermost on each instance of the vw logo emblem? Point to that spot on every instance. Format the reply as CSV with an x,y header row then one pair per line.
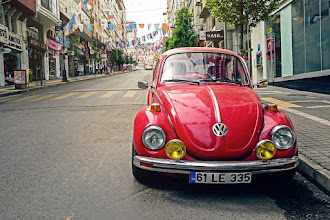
x,y
219,129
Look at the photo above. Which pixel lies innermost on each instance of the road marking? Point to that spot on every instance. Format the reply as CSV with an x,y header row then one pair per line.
x,y
281,103
23,99
43,97
324,101
86,95
319,106
65,96
108,94
130,94
308,116
70,216
5,99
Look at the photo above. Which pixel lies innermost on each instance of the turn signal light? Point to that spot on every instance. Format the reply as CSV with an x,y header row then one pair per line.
x,y
175,149
265,150
272,108
155,107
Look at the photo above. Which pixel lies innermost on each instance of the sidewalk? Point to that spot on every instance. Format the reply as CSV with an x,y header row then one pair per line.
x,y
312,125
10,90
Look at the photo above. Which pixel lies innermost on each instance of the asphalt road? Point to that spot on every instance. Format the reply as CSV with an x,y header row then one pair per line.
x,y
65,153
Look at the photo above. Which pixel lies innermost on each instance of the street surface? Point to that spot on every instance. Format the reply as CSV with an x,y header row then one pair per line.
x,y
66,154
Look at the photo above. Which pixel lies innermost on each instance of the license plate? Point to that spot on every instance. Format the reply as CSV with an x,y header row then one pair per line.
x,y
220,178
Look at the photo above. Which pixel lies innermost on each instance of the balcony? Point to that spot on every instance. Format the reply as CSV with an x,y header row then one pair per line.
x,y
49,5
47,12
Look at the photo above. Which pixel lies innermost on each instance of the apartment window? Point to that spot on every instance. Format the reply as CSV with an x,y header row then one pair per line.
x,y
1,15
13,24
50,5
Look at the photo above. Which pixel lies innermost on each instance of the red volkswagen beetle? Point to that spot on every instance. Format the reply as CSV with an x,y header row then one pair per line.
x,y
204,120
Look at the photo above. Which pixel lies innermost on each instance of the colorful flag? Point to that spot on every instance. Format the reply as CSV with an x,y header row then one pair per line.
x,y
129,28
141,25
118,26
133,26
96,26
165,27
89,27
149,26
156,26
111,26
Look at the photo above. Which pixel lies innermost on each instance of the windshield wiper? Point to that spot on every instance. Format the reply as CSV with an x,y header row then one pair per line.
x,y
181,80
212,79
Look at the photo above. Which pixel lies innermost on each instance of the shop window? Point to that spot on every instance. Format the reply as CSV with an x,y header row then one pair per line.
x,y
298,42
312,36
325,33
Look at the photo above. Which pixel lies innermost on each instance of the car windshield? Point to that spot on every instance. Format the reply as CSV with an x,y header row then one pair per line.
x,y
203,67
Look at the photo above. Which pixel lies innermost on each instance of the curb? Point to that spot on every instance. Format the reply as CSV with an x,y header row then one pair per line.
x,y
317,174
55,85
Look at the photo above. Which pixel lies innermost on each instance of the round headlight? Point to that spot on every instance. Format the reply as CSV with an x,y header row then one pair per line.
x,y
283,137
175,149
153,138
265,150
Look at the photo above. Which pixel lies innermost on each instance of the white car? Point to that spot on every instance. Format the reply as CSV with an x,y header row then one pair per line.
x,y
149,67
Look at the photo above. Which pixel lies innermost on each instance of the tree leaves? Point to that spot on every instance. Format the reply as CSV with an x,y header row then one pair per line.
x,y
246,12
184,34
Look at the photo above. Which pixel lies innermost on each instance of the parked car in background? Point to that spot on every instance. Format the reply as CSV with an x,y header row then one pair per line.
x,y
149,67
204,121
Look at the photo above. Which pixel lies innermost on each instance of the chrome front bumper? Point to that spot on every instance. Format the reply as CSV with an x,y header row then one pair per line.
x,y
185,167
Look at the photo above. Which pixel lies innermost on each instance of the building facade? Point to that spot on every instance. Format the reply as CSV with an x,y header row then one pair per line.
x,y
13,38
295,44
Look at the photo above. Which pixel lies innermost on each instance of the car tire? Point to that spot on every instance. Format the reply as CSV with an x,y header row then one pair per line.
x,y
140,174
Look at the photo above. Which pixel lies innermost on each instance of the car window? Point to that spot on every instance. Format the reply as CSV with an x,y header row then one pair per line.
x,y
204,67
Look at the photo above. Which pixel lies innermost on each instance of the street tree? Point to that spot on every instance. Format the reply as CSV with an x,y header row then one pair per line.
x,y
183,33
131,60
243,13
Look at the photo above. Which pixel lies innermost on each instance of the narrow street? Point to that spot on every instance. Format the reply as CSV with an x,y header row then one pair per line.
x,y
66,154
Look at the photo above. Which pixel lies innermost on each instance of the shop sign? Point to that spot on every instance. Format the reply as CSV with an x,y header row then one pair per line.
x,y
176,5
15,41
52,44
214,35
202,35
20,77
270,49
3,34
36,44
269,30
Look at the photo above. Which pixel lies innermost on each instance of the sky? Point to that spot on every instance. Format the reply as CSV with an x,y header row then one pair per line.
x,y
146,12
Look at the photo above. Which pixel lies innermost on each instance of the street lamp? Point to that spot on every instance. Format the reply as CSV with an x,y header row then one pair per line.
x,y
57,30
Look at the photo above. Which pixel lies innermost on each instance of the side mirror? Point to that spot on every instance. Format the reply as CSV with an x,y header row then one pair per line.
x,y
143,84
262,83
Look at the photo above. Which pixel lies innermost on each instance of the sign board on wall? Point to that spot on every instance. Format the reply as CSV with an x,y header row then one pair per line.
x,y
202,35
52,44
214,35
176,5
20,77
3,34
15,41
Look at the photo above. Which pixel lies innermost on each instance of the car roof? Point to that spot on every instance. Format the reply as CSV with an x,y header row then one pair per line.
x,y
198,49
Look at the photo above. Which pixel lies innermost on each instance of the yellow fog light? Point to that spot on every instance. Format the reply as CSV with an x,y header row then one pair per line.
x,y
265,150
175,149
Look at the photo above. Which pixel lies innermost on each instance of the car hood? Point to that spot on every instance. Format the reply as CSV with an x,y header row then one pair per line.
x,y
192,110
